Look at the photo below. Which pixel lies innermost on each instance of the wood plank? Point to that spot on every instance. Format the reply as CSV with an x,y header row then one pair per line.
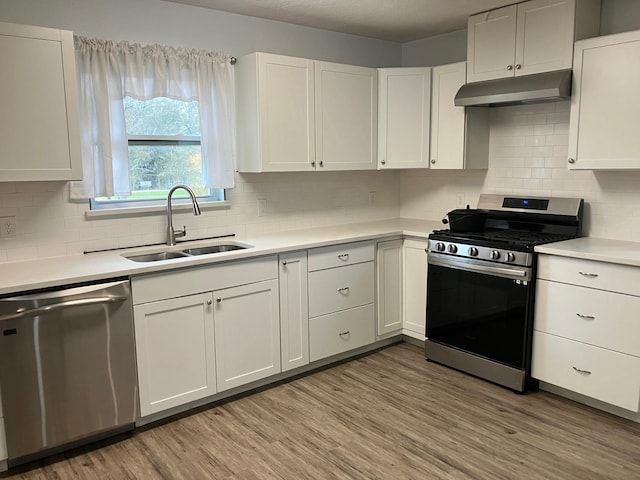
x,y
390,414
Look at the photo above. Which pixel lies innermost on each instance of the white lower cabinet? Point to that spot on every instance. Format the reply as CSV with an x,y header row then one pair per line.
x,y
586,330
174,348
203,330
294,310
341,298
414,288
247,333
389,282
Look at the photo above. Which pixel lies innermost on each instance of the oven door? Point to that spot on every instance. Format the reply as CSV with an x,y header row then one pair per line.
x,y
480,308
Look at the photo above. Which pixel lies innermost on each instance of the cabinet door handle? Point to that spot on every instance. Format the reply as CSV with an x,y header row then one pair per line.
x,y
588,275
321,163
218,299
583,372
383,162
344,290
343,334
509,67
572,161
586,317
433,161
284,263
343,256
313,164
209,302
518,66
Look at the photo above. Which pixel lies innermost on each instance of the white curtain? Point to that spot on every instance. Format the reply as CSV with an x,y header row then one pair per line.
x,y
109,71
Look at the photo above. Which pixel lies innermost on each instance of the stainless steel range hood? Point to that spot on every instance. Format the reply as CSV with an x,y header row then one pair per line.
x,y
537,88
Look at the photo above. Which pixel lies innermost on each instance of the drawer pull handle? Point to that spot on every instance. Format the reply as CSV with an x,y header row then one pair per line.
x,y
343,256
583,372
345,334
344,290
588,275
586,317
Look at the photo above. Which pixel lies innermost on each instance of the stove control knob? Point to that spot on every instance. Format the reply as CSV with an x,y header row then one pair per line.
x,y
453,248
440,247
495,254
473,251
511,257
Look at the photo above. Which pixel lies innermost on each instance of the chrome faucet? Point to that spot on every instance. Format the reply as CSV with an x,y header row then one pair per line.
x,y
171,233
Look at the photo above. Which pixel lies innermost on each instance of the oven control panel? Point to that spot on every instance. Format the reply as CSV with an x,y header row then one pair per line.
x,y
491,254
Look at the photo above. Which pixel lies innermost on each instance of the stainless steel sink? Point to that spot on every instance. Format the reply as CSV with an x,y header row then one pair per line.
x,y
188,252
156,257
212,249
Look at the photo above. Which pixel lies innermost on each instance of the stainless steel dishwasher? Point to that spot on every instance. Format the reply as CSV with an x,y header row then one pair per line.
x,y
67,367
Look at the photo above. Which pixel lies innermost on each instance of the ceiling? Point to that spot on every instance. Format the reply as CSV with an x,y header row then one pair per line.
x,y
393,20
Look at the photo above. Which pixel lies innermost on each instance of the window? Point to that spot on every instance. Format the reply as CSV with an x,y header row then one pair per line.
x,y
164,150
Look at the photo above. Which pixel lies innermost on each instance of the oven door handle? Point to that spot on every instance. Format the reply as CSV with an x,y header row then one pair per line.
x,y
515,273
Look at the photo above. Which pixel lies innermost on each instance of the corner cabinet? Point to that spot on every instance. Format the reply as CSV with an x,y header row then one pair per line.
x,y
603,128
529,37
293,114
459,135
404,117
389,295
39,126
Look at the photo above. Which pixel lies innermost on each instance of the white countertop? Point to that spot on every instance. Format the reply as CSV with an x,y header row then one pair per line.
x,y
51,272
600,249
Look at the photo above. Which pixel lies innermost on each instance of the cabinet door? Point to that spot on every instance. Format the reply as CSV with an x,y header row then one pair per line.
x,y
389,269
174,349
447,120
346,117
276,127
415,287
294,310
404,117
603,130
491,44
39,126
544,36
247,333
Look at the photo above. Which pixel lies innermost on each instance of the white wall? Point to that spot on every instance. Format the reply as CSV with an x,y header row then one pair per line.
x,y
49,225
439,50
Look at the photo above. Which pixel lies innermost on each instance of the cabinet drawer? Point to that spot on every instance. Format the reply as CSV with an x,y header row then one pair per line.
x,y
600,318
589,273
338,255
340,332
614,377
336,289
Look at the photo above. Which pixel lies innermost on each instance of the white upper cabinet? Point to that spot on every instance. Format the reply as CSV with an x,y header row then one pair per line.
x,y
39,126
404,117
346,117
296,114
276,118
459,135
603,129
529,37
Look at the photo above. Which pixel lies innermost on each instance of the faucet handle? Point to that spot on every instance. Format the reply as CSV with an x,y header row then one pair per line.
x,y
181,233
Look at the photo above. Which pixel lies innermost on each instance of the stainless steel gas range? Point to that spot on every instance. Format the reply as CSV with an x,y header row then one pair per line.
x,y
481,284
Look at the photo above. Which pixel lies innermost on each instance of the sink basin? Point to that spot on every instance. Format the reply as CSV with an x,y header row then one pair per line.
x,y
212,249
156,257
188,252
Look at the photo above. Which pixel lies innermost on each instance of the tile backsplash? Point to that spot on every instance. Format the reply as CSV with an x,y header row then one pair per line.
x,y
528,156
48,224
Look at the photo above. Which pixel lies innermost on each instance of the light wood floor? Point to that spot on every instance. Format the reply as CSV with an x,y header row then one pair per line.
x,y
389,415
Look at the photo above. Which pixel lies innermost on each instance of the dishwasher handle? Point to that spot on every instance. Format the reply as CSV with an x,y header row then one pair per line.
x,y
81,302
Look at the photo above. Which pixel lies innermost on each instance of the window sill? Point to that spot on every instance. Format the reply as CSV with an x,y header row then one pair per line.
x,y
152,210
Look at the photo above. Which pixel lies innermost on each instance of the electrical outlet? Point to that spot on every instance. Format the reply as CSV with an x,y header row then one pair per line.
x,y
262,207
7,227
460,200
